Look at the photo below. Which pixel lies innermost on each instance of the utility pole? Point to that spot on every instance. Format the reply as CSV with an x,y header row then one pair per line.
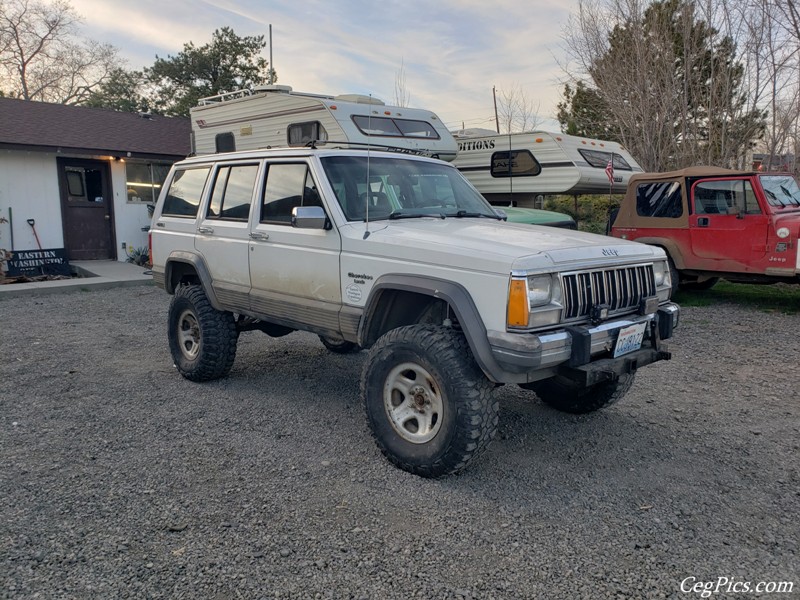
x,y
496,118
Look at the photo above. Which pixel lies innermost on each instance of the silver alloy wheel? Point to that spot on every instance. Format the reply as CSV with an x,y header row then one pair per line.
x,y
189,334
413,403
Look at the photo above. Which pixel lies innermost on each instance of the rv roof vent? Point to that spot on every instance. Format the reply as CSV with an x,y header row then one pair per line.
x,y
284,89
359,99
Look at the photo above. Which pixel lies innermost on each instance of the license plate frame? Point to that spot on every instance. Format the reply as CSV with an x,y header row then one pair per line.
x,y
630,339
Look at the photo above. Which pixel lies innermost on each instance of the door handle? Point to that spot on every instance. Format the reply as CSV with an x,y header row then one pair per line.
x,y
702,221
257,235
205,230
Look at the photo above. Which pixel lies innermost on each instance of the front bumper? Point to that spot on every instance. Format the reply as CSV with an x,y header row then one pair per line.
x,y
582,353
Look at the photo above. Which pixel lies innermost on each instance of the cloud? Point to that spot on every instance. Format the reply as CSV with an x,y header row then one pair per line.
x,y
453,51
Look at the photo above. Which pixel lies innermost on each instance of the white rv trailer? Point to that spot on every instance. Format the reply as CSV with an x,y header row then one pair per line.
x,y
275,116
516,168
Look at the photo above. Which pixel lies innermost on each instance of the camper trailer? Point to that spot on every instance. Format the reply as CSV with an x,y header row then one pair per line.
x,y
513,169
276,116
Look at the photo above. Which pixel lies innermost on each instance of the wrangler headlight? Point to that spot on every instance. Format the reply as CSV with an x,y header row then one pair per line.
x,y
661,272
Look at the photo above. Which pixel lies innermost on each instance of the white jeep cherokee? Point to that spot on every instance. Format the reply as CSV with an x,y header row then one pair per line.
x,y
449,298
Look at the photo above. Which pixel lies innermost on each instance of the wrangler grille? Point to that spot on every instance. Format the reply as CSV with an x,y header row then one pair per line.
x,y
621,289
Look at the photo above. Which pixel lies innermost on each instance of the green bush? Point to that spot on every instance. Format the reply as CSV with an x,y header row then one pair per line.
x,y
593,211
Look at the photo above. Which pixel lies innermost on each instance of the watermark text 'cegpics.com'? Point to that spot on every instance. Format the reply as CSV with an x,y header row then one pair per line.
x,y
731,585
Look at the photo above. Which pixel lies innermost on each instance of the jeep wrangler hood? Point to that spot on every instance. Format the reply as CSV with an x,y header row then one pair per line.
x,y
491,246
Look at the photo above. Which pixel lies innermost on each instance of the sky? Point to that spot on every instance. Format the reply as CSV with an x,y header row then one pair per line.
x,y
451,51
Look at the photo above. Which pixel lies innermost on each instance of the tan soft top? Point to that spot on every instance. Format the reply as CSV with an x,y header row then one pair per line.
x,y
688,172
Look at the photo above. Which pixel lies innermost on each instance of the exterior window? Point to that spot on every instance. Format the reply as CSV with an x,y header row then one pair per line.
x,y
599,159
659,199
384,126
300,134
185,192
233,192
225,142
514,163
287,186
732,196
143,181
75,184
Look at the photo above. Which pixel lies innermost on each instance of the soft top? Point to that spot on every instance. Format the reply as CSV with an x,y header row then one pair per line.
x,y
687,172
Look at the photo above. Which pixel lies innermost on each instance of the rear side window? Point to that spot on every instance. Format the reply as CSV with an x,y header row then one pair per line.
x,y
515,163
287,186
233,192
659,199
185,192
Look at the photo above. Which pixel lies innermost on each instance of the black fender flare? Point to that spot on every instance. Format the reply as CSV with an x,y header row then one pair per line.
x,y
456,296
199,266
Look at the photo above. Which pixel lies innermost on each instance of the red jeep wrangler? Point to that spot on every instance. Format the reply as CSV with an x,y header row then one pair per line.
x,y
713,223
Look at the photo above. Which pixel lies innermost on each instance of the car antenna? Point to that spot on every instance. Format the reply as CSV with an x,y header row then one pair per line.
x,y
367,195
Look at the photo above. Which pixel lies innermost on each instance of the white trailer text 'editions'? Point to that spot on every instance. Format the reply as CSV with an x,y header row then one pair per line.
x,y
517,167
274,116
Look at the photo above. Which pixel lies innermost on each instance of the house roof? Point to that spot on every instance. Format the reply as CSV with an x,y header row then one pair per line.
x,y
78,129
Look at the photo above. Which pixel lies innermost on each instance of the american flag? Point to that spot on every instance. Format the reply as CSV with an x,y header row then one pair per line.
x,y
610,171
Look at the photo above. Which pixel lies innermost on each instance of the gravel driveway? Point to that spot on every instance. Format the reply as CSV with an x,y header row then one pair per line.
x,y
120,479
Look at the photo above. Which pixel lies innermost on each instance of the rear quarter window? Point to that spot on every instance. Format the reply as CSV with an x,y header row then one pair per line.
x,y
659,199
185,192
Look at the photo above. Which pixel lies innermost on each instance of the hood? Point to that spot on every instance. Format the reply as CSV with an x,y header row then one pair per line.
x,y
491,246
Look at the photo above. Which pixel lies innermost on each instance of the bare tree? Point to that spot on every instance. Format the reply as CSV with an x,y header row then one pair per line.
x,y
516,111
671,76
43,58
402,96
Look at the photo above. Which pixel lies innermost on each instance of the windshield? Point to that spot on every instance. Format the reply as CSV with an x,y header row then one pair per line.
x,y
781,190
395,188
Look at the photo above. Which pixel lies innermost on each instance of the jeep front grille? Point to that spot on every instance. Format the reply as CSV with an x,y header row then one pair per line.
x,y
621,289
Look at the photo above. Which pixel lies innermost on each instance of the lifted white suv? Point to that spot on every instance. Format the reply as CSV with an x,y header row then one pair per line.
x,y
449,298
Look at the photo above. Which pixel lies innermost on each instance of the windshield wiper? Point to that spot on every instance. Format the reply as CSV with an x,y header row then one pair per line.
x,y
463,213
404,215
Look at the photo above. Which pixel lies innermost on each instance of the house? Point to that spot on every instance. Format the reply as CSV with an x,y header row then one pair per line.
x,y
82,179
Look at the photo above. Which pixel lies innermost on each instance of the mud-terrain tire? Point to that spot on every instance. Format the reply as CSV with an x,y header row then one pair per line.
x,y
202,340
430,408
339,346
564,395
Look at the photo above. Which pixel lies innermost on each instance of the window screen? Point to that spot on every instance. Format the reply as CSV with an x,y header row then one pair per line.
x,y
185,192
233,192
659,199
300,134
515,163
225,142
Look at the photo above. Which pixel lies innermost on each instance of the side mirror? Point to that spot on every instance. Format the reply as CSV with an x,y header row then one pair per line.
x,y
310,217
501,213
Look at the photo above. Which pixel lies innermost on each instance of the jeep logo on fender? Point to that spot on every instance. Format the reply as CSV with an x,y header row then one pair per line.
x,y
610,252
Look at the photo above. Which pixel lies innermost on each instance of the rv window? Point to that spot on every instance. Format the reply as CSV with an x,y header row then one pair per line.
x,y
225,142
287,186
185,192
599,159
514,163
233,192
300,134
395,127
659,199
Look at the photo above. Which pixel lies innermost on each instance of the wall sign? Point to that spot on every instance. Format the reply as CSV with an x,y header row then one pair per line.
x,y
51,261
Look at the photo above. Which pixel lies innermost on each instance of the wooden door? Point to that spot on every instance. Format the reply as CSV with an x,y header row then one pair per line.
x,y
87,209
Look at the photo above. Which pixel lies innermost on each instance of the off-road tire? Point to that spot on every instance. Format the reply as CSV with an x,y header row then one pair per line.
x,y
339,346
202,340
468,412
674,275
564,395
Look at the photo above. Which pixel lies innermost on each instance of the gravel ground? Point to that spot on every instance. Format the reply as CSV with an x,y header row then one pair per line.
x,y
120,479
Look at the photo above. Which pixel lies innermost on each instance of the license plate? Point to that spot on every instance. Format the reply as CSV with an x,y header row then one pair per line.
x,y
630,339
